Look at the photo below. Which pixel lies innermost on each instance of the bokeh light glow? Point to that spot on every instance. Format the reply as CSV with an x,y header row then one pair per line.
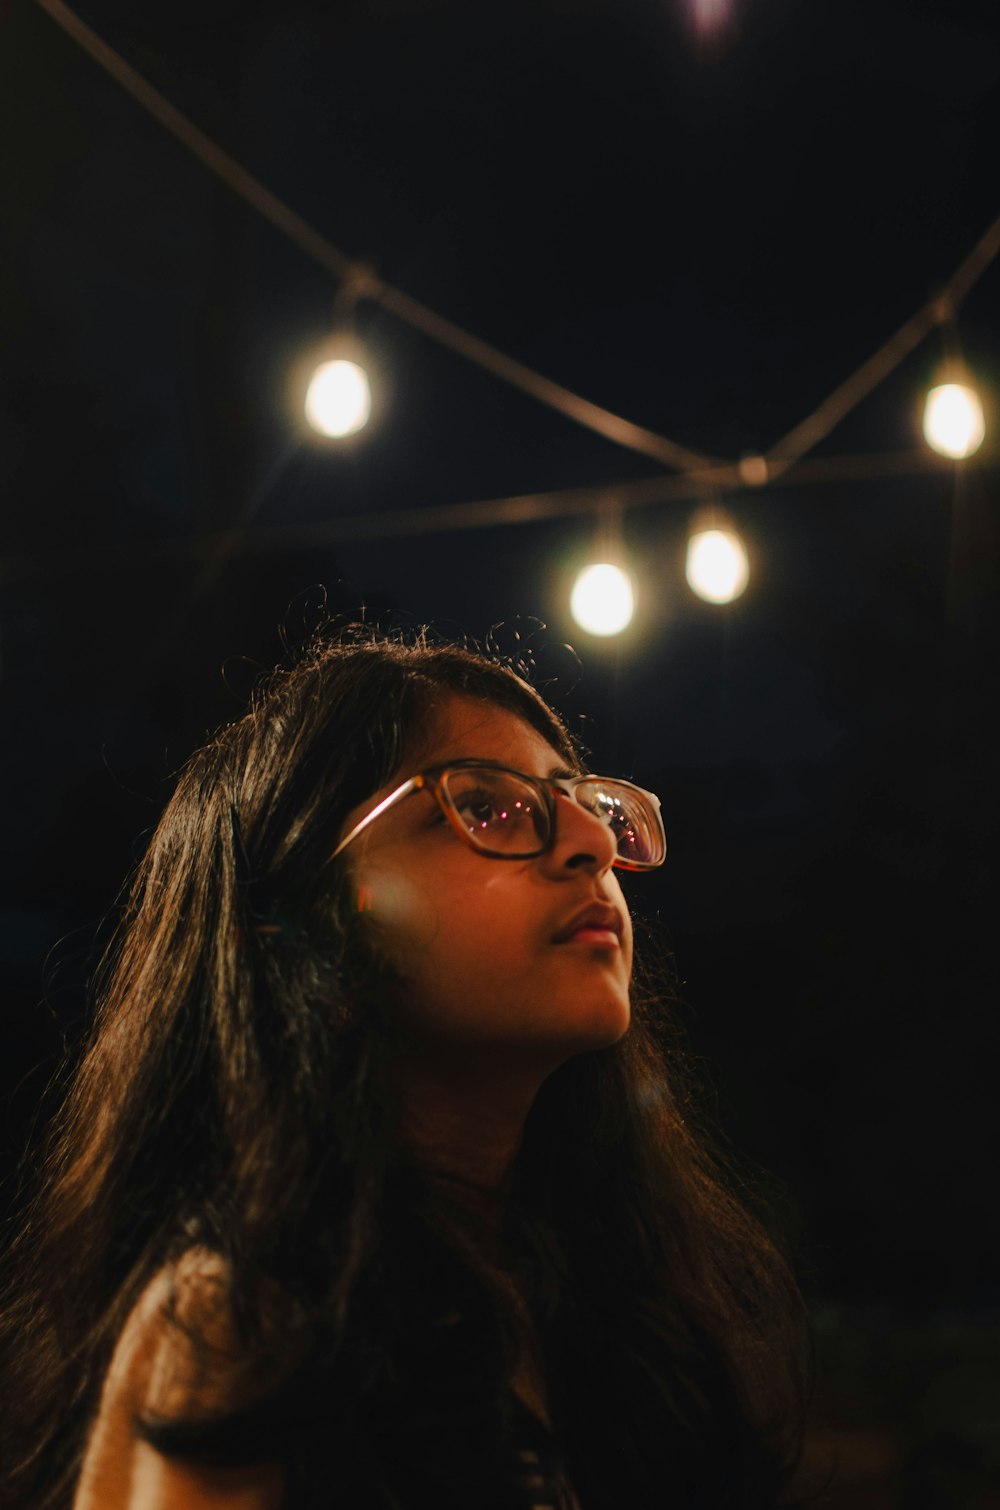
x,y
953,420
602,601
710,15
717,568
339,400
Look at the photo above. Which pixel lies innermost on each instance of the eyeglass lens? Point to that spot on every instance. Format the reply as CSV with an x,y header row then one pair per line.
x,y
500,811
507,814
627,814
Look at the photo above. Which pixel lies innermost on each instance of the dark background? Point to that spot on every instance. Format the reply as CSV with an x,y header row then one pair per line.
x,y
705,234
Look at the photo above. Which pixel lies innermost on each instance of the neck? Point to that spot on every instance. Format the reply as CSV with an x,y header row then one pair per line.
x,y
464,1127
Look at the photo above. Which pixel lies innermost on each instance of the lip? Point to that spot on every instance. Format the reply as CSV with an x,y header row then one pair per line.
x,y
598,923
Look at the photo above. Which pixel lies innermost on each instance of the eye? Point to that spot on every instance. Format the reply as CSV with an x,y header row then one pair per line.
x,y
499,809
612,811
480,809
618,820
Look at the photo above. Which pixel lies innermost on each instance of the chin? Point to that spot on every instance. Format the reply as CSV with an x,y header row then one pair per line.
x,y
602,1025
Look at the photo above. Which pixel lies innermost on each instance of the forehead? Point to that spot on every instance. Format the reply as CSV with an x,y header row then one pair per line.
x,y
466,728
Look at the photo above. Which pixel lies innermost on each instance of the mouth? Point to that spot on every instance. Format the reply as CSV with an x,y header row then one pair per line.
x,y
597,926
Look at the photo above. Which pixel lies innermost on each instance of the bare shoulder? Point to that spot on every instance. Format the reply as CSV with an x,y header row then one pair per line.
x,y
178,1355
180,1351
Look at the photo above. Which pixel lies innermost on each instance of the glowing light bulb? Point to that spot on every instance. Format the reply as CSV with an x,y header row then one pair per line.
x,y
339,400
710,15
602,601
717,568
953,420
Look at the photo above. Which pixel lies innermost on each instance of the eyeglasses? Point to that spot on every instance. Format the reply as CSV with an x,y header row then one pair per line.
x,y
511,816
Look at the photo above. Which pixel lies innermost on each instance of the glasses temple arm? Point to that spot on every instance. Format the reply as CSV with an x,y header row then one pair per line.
x,y
376,812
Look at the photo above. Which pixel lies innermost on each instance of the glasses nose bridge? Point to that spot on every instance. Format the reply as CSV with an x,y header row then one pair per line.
x,y
568,787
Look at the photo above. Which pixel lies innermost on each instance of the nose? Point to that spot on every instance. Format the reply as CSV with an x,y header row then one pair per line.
x,y
582,841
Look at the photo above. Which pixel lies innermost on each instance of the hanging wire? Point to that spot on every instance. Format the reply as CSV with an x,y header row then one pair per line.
x,y
613,427
524,508
754,472
939,310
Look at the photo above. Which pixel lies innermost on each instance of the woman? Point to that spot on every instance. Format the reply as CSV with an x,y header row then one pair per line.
x,y
375,1186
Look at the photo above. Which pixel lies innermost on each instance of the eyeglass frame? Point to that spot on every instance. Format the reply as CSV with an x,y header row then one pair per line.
x,y
433,779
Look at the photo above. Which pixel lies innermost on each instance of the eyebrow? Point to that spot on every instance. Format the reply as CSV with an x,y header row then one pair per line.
x,y
557,772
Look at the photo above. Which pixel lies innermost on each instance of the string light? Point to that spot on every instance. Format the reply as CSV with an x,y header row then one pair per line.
x,y
717,568
710,16
953,420
707,14
603,601
338,402
338,399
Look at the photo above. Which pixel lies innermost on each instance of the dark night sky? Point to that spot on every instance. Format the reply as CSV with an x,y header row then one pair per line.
x,y
704,237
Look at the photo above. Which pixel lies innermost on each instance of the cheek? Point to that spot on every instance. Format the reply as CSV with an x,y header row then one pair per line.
x,y
421,906
462,927
403,910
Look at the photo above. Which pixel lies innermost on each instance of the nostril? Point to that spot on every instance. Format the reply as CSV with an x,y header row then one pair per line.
x,y
575,862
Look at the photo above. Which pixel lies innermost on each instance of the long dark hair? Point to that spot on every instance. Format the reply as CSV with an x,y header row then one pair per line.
x,y
235,1094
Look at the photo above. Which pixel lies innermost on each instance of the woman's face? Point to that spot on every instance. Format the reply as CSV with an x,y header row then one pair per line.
x,y
475,939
